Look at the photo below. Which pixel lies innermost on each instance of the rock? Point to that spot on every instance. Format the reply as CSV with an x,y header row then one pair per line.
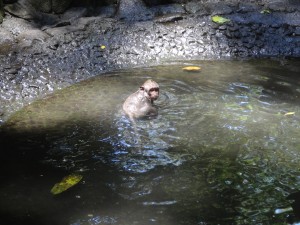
x,y
27,37
168,9
297,31
16,25
168,18
48,6
6,41
21,10
1,11
277,6
106,11
247,7
193,7
219,9
133,10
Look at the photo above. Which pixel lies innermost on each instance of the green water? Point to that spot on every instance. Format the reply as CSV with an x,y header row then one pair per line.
x,y
224,149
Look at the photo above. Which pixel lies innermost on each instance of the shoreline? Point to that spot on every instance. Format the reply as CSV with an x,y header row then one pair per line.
x,y
37,60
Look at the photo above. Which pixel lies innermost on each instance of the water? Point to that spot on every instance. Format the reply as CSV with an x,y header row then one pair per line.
x,y
225,149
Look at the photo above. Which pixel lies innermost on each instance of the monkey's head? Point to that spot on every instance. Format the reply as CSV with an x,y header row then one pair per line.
x,y
151,88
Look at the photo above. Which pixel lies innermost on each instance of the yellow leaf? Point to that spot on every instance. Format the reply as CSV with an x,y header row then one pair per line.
x,y
191,68
66,183
103,47
290,114
220,19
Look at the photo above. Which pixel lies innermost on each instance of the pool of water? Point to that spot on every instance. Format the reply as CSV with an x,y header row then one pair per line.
x,y
224,149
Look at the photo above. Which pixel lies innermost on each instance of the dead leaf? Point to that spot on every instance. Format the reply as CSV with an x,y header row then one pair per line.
x,y
192,68
289,114
66,183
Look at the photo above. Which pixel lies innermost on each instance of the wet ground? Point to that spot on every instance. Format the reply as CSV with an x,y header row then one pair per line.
x,y
223,150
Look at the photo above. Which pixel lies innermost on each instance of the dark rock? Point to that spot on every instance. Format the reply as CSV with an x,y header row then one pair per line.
x,y
168,18
277,6
21,10
220,8
247,7
6,41
168,9
297,31
133,10
193,7
27,37
106,11
1,11
48,6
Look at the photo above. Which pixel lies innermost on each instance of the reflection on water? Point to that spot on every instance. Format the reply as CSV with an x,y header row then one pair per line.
x,y
224,149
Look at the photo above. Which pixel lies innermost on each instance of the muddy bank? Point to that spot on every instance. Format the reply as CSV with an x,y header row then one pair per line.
x,y
38,58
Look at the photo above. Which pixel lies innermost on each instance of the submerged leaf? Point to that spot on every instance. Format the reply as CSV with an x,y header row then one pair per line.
x,y
191,68
290,114
220,19
66,183
284,210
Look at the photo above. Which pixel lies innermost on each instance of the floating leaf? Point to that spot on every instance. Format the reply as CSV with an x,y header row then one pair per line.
x,y
284,210
66,183
192,68
290,114
243,118
250,107
265,11
220,19
103,47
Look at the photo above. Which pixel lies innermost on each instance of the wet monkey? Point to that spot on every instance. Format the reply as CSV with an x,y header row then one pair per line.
x,y
140,104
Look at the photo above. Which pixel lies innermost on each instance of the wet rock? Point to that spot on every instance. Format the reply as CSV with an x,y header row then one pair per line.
x,y
27,37
21,9
106,11
133,10
277,6
220,8
297,31
6,41
247,7
48,6
16,25
168,9
1,11
168,18
194,7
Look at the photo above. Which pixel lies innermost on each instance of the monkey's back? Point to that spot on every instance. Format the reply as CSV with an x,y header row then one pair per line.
x,y
138,106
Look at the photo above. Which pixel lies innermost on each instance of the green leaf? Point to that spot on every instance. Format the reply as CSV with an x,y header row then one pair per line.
x,y
265,11
219,19
66,183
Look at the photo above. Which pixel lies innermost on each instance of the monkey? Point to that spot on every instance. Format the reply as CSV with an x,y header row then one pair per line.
x,y
140,104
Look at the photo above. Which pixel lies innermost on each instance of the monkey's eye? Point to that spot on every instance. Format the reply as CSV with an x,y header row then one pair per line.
x,y
154,89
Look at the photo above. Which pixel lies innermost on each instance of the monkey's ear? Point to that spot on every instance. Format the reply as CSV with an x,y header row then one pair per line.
x,y
142,88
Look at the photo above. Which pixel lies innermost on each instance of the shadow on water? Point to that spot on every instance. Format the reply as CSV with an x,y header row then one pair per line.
x,y
223,150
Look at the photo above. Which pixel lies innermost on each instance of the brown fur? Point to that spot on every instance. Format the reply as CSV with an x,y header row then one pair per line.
x,y
140,103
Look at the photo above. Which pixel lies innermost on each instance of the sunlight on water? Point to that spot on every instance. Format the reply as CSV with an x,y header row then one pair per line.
x,y
224,148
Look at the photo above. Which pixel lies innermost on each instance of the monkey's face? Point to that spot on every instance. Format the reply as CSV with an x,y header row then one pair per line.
x,y
153,93
151,88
